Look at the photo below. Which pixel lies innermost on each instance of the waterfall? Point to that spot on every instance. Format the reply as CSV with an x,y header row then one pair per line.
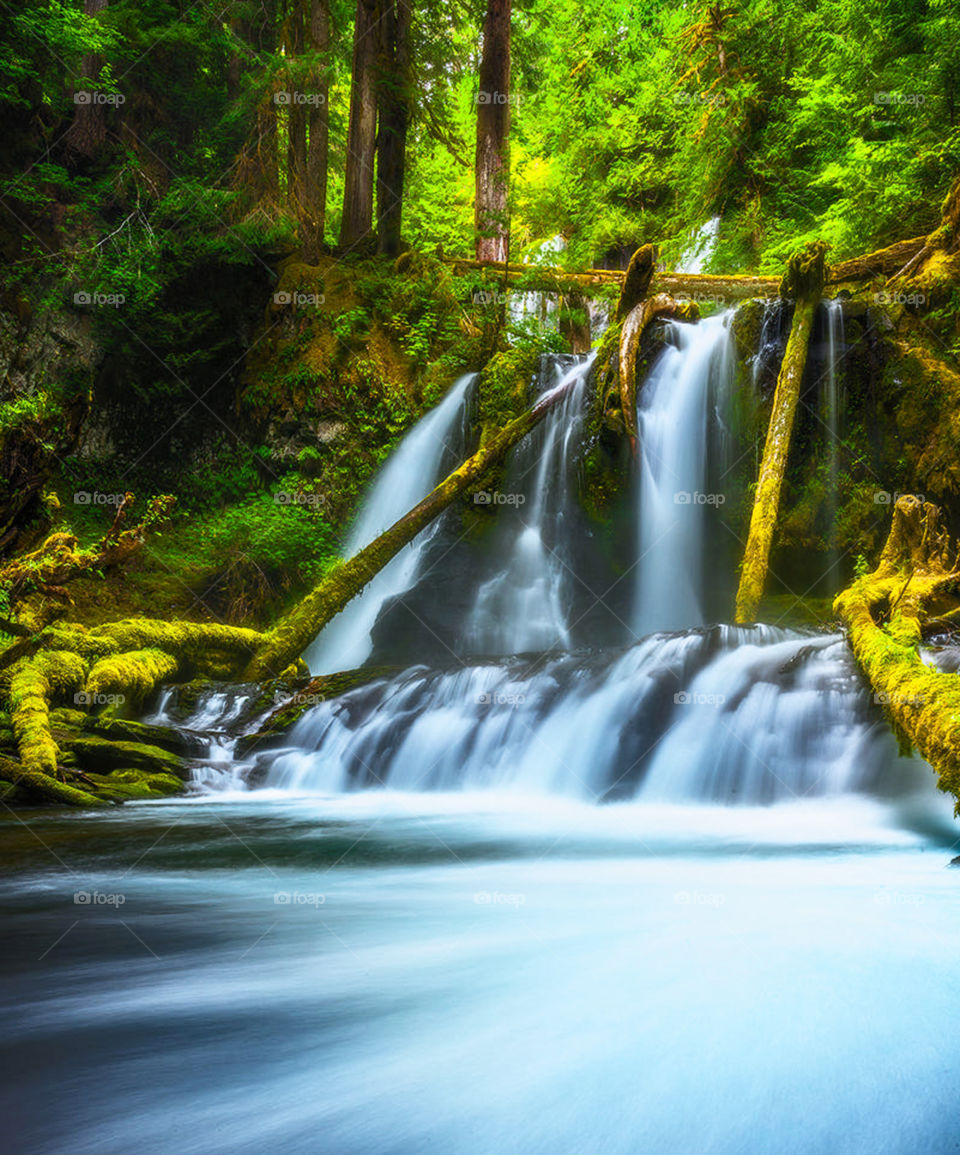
x,y
526,604
745,715
830,406
414,468
700,248
681,416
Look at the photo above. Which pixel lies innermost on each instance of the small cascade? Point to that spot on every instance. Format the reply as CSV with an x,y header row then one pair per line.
x,y
436,442
830,408
681,415
525,605
730,714
702,244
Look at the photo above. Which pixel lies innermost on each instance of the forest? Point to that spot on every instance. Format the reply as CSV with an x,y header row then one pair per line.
x,y
492,448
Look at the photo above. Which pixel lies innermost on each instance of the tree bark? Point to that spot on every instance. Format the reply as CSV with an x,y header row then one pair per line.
x,y
804,281
88,131
493,136
357,223
296,117
313,221
393,97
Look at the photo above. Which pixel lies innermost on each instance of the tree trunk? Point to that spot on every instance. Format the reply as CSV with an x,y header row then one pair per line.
x,y
914,585
493,136
804,281
88,131
393,98
313,221
287,641
357,222
296,118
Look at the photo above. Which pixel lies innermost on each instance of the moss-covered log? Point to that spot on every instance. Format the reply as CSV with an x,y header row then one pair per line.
x,y
292,635
44,788
35,683
640,316
131,676
803,282
916,582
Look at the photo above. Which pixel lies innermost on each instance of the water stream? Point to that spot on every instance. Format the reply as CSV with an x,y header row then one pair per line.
x,y
678,894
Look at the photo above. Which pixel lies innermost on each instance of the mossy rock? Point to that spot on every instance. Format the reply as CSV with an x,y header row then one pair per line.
x,y
184,743
131,785
97,755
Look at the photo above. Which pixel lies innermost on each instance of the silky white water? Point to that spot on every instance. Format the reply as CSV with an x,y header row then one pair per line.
x,y
681,416
525,605
676,896
412,471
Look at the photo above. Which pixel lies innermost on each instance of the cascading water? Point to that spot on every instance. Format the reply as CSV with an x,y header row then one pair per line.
x,y
700,249
682,413
525,605
830,405
414,468
729,715
749,948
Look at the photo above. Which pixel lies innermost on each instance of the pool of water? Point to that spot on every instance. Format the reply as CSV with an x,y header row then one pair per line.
x,y
475,973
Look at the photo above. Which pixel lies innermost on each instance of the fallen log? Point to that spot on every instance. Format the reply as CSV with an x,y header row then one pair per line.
x,y
803,282
290,637
916,582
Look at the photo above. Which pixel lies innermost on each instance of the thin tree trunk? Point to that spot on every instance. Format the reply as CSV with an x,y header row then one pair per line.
x,y
393,98
804,281
493,136
88,131
313,222
296,117
357,222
